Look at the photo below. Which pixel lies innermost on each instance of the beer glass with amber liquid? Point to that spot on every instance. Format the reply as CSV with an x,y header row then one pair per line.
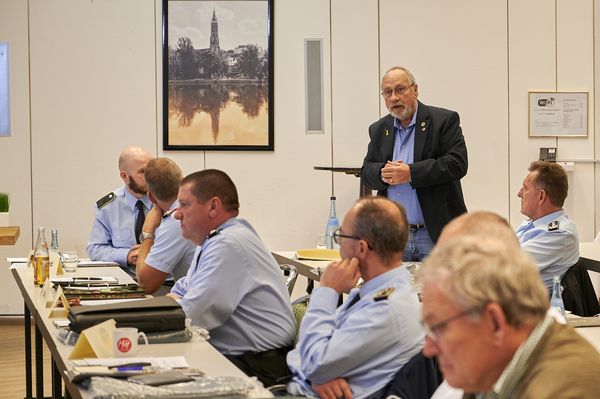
x,y
41,259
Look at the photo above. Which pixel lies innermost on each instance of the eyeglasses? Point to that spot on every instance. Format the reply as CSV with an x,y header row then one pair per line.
x,y
398,90
338,233
435,331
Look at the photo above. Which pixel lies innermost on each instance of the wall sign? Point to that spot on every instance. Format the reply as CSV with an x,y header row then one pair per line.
x,y
558,114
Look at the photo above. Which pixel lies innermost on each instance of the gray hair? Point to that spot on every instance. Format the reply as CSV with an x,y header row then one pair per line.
x,y
409,75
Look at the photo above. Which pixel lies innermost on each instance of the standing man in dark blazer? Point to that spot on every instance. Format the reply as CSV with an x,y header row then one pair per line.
x,y
417,156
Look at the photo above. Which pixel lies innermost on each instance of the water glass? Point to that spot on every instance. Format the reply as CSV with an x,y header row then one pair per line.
x,y
320,241
70,261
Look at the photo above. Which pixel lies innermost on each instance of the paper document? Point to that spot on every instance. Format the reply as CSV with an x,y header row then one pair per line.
x,y
108,301
96,263
166,362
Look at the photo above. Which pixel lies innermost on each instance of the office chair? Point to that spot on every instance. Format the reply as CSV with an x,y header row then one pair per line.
x,y
291,275
578,292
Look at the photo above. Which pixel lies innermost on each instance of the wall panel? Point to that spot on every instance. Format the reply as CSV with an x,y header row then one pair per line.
x,y
575,66
15,171
355,89
532,67
280,193
457,52
93,93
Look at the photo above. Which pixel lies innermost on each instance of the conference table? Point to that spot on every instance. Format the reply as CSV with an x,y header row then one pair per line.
x,y
198,353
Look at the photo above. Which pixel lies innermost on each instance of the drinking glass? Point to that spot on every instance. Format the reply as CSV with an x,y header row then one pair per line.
x,y
320,241
70,260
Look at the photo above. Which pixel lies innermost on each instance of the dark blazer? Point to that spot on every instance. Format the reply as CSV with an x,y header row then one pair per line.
x,y
440,161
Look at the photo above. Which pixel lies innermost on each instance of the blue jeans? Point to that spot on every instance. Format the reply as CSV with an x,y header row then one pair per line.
x,y
418,246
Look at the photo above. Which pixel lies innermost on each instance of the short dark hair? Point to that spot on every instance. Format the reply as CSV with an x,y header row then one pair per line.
x,y
385,229
210,183
163,177
551,178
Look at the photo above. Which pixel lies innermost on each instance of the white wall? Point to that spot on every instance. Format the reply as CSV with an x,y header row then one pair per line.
x,y
94,69
15,169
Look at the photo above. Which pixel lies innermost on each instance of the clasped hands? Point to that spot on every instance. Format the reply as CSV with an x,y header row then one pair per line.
x,y
395,172
333,389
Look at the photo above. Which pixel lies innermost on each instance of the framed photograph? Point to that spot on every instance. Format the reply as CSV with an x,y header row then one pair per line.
x,y
558,114
218,75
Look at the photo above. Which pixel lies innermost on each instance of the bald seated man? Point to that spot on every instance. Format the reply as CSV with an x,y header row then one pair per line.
x,y
480,224
120,214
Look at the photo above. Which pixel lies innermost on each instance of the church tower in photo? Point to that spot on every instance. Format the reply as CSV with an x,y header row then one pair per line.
x,y
214,34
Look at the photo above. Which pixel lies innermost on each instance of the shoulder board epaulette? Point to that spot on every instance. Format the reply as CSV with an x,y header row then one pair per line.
x,y
107,199
383,294
554,225
213,233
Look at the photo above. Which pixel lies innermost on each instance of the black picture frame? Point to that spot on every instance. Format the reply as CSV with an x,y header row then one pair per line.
x,y
218,98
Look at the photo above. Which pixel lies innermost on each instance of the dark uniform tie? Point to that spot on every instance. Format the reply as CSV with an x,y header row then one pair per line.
x,y
354,300
139,222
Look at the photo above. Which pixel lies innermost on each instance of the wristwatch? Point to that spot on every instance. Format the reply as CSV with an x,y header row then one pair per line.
x,y
146,236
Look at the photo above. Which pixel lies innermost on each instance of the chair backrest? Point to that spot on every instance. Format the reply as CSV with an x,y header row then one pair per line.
x,y
578,292
299,307
418,378
291,274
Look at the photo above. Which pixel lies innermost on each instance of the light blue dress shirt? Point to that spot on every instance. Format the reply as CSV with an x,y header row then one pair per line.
x,y
171,253
366,343
113,232
404,149
553,243
236,291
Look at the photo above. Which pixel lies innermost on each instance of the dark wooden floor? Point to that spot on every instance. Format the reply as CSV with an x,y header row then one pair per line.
x,y
12,360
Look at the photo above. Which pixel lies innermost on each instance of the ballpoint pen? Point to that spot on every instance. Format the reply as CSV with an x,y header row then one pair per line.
x,y
168,213
130,366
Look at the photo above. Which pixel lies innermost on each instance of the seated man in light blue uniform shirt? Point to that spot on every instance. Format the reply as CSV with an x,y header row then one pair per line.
x,y
358,347
113,236
163,250
549,236
234,288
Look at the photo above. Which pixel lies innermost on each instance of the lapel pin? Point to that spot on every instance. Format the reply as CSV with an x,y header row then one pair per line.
x,y
387,132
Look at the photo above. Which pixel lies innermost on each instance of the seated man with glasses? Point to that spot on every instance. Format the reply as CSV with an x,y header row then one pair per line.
x,y
416,157
355,350
485,314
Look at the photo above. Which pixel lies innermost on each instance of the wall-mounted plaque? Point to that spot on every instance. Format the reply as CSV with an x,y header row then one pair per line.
x,y
558,114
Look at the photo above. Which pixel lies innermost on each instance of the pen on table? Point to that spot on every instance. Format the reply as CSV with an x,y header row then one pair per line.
x,y
130,365
88,278
168,213
130,368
